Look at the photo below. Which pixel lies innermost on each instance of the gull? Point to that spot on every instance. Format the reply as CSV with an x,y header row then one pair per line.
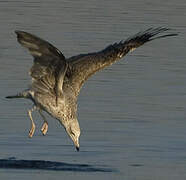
x,y
57,81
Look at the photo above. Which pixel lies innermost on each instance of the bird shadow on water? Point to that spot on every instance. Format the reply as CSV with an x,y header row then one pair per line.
x,y
12,163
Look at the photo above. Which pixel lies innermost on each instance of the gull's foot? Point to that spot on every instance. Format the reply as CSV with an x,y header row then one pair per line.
x,y
32,130
44,128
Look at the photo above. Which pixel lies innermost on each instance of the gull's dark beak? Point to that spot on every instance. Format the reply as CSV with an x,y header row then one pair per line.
x,y
77,148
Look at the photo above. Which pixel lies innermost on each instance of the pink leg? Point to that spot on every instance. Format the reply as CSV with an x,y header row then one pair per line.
x,y
44,128
32,130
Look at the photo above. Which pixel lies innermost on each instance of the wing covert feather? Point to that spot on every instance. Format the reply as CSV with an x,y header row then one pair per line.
x,y
82,66
49,68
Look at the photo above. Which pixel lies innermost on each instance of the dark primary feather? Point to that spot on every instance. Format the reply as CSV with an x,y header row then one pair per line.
x,y
84,65
49,66
51,72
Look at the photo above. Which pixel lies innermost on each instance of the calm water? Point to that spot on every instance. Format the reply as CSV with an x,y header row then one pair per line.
x,y
132,114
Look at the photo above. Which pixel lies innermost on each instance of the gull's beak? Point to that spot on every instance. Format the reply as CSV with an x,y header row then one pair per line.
x,y
77,148
76,143
74,138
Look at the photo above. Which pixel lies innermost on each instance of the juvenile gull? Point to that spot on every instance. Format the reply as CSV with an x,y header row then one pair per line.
x,y
56,81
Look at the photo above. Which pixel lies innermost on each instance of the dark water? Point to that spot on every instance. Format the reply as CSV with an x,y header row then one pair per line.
x,y
49,165
132,114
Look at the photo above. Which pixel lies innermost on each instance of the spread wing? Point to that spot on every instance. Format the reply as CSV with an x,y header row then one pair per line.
x,y
84,65
49,65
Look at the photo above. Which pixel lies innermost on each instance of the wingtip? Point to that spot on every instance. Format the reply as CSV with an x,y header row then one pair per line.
x,y
23,36
161,30
17,32
20,33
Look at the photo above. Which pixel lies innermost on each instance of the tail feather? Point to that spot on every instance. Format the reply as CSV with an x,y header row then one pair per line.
x,y
14,96
23,94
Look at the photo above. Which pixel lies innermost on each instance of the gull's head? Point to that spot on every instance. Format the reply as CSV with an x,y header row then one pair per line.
x,y
73,130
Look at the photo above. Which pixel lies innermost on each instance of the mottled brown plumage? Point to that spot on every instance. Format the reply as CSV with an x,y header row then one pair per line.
x,y
56,81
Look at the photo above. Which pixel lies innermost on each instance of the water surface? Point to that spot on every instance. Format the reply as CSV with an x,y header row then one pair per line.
x,y
132,114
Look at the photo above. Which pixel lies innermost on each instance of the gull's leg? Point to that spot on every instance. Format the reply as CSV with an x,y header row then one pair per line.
x,y
44,128
31,132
